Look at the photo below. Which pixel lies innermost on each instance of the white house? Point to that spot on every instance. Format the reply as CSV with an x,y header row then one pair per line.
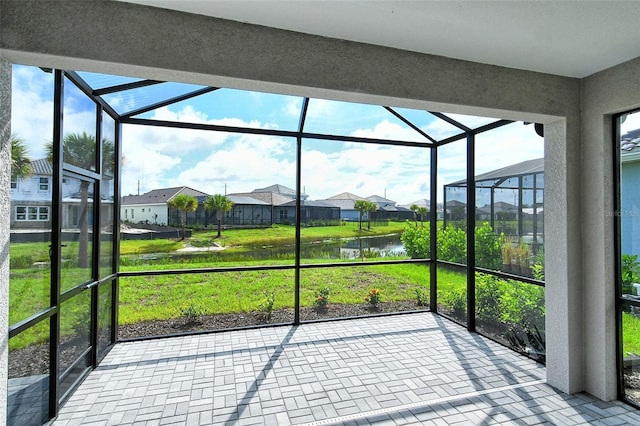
x,y
31,198
152,207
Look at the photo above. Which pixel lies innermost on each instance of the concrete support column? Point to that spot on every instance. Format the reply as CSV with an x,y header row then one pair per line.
x,y
5,214
603,94
563,255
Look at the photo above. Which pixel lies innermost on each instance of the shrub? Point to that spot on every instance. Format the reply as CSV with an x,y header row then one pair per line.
x,y
374,297
422,297
630,272
267,305
488,298
322,298
191,313
416,241
523,304
537,269
452,245
456,301
488,248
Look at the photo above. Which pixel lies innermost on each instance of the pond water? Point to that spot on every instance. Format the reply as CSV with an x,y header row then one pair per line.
x,y
353,248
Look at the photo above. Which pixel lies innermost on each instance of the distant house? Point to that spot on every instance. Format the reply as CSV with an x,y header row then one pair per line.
x,y
281,190
629,194
246,211
423,202
511,197
455,210
388,209
501,211
346,202
321,212
31,199
283,203
153,208
269,200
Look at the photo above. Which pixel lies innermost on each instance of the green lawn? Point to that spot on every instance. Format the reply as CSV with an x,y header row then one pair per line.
x,y
166,296
285,234
630,334
163,297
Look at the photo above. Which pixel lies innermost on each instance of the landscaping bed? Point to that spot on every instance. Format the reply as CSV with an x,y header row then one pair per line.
x,y
34,359
236,320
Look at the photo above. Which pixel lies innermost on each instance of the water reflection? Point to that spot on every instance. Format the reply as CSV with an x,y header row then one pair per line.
x,y
348,249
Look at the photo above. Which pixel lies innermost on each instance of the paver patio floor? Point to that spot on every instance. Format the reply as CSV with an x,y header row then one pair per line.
x,y
396,370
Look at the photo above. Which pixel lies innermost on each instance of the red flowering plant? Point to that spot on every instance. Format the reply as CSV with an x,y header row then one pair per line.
x,y
322,298
374,297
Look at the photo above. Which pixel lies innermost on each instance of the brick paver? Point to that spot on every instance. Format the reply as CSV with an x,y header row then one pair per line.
x,y
395,370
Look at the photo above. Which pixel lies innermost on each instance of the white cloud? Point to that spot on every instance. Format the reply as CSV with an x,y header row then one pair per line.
x,y
293,107
163,157
388,130
32,108
631,122
246,163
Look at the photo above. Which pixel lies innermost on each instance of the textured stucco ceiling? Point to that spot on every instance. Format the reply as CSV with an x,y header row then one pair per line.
x,y
569,38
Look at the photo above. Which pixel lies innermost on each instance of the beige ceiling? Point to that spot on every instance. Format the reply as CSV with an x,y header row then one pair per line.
x,y
571,38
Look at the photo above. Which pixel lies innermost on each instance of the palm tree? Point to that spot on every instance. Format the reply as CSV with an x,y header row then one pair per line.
x,y
20,162
220,204
361,206
371,207
79,149
414,208
184,204
364,206
423,212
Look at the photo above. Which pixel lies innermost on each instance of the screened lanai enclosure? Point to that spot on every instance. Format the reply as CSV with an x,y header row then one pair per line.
x,y
77,288
511,200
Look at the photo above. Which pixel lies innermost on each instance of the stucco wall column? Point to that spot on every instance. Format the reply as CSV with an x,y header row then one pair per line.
x,y
563,255
5,203
603,94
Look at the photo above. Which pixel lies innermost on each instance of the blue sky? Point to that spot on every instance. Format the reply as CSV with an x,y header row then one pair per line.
x,y
157,157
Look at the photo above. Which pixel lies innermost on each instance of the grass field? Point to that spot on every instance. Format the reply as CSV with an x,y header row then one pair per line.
x,y
153,297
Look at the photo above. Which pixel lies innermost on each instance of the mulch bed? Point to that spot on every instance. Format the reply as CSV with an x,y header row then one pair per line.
x,y
228,321
34,360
